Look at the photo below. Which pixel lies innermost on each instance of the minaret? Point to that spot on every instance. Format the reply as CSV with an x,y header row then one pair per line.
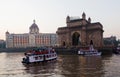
x,y
68,20
7,39
89,20
83,16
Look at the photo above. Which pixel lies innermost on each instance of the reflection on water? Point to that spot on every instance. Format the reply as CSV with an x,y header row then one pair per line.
x,y
65,66
75,66
43,69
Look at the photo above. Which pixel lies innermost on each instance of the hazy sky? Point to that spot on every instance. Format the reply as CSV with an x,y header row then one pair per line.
x,y
16,16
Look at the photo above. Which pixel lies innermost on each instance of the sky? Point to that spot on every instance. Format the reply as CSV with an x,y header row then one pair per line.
x,y
16,16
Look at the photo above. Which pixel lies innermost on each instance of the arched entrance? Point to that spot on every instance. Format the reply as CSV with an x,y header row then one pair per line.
x,y
75,39
64,43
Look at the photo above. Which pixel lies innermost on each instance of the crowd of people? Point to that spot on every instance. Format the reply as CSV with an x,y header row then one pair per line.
x,y
40,51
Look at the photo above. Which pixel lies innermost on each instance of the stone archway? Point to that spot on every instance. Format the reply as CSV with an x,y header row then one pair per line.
x,y
75,39
63,44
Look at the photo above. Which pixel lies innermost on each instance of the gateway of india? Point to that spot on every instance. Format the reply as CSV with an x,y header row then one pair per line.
x,y
80,31
31,39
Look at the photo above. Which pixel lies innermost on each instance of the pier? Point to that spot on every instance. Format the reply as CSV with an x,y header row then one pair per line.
x,y
63,50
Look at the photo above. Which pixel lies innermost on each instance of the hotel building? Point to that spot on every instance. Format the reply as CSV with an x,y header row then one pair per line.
x,y
31,39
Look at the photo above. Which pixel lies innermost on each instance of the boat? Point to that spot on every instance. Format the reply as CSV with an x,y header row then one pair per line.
x,y
118,49
43,54
89,51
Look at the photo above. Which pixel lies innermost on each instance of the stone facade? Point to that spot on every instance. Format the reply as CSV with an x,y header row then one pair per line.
x,y
79,32
31,39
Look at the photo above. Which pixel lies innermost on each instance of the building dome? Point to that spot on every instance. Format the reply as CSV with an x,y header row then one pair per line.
x,y
34,28
7,32
34,25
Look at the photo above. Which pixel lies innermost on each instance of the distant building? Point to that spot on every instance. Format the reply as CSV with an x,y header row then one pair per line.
x,y
111,41
111,38
80,31
2,44
31,39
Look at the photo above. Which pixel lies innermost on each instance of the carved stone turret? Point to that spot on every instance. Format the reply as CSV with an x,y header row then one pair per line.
x,y
67,19
89,20
83,16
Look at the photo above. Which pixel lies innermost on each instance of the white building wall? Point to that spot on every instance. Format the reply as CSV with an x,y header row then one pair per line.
x,y
31,40
9,41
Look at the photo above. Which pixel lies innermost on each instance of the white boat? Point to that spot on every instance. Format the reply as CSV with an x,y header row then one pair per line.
x,y
40,55
118,49
89,51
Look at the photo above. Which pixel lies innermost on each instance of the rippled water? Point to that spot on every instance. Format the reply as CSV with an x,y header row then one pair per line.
x,y
65,66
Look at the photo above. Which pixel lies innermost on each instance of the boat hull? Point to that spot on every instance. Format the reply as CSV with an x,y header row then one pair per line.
x,y
89,53
39,58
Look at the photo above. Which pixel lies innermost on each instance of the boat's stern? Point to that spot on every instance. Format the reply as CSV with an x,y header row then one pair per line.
x,y
25,60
